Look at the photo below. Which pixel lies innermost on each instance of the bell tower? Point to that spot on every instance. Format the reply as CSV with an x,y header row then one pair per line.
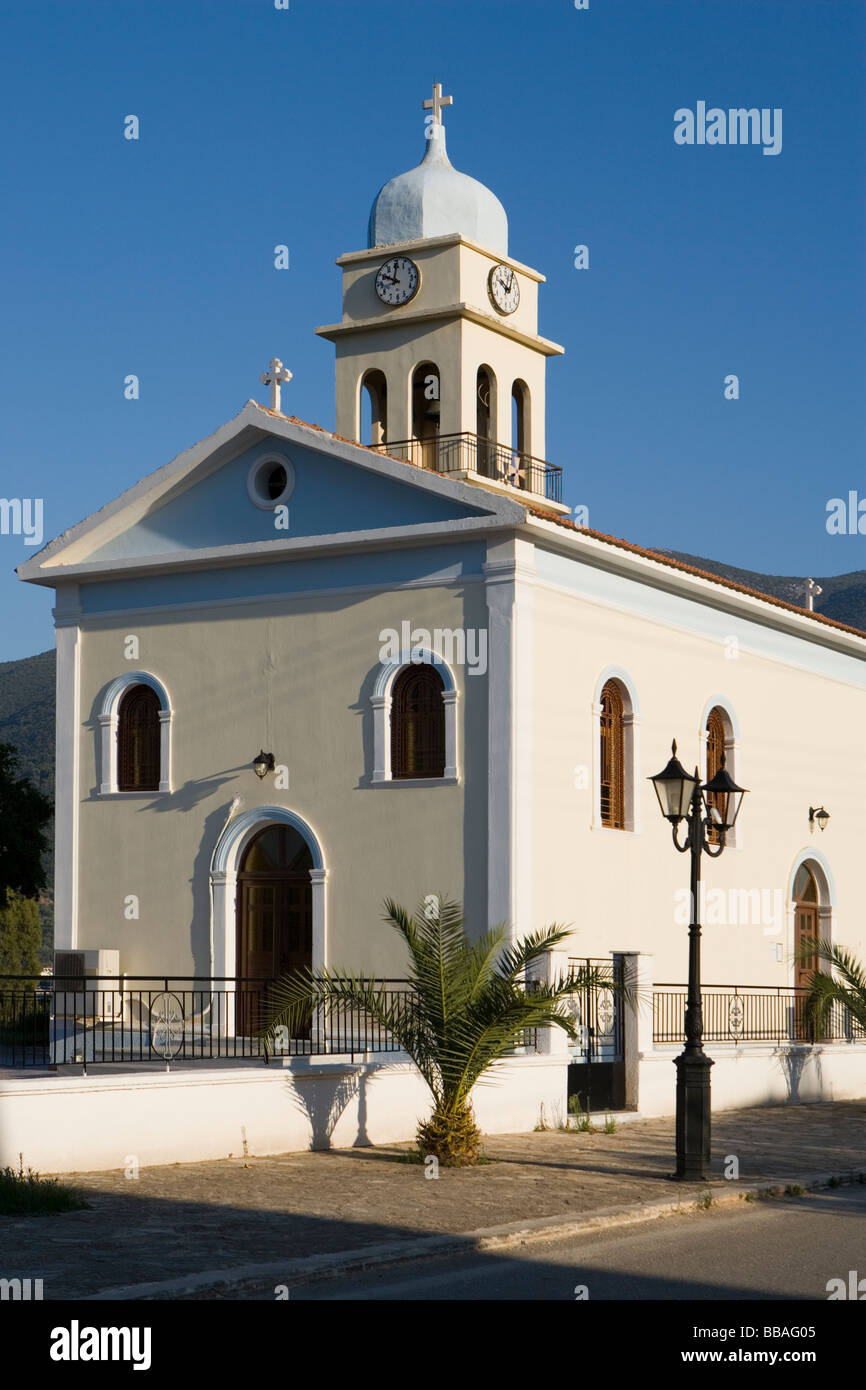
x,y
438,346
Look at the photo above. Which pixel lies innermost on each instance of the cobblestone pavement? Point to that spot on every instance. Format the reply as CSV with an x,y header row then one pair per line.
x,y
187,1218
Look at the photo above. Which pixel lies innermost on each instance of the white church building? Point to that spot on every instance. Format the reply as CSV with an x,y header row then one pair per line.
x,y
454,689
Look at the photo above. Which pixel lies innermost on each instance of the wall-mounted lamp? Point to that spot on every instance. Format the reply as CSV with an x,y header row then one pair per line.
x,y
263,764
817,813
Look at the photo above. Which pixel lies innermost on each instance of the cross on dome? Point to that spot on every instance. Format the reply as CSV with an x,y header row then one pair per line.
x,y
436,103
274,377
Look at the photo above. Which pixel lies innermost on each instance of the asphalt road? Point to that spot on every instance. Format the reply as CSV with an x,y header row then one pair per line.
x,y
785,1248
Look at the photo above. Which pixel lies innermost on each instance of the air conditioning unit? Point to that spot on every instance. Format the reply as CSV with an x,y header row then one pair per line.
x,y
83,984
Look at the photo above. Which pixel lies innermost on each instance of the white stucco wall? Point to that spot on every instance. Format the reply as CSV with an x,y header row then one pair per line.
x,y
798,709
293,676
759,1075
69,1124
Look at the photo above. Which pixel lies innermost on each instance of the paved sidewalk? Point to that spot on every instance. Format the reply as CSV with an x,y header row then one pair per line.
x,y
193,1222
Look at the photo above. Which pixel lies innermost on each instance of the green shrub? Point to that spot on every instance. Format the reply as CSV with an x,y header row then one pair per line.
x,y
25,1193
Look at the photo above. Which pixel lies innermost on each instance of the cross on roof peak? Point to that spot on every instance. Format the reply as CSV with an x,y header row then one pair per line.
x,y
436,102
274,377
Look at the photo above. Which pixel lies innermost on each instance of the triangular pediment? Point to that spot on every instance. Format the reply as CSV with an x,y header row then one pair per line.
x,y
214,500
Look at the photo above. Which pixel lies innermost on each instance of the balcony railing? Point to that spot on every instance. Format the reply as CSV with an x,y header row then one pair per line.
x,y
750,1014
472,453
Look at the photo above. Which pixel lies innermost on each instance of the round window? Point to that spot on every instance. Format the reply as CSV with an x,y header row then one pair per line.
x,y
276,482
271,481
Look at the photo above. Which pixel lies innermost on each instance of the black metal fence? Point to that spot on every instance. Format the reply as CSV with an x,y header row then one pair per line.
x,y
750,1013
597,1010
596,1067
457,453
49,1021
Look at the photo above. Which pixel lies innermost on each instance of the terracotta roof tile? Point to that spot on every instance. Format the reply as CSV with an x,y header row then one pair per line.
x,y
693,569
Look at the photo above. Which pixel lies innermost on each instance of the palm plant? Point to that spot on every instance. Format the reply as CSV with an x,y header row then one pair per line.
x,y
845,985
469,1005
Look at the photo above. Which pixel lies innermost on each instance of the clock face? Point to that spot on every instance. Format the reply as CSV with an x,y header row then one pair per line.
x,y
397,280
504,289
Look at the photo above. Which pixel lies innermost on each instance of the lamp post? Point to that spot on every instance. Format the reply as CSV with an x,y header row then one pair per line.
x,y
711,807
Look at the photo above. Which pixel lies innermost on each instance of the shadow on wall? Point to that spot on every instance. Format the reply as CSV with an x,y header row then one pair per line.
x,y
200,888
324,1099
792,1064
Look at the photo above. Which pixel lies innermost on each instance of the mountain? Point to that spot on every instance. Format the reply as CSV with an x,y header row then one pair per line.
x,y
27,716
27,722
843,596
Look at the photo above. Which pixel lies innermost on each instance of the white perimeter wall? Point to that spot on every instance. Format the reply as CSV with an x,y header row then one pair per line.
x,y
78,1123
755,1075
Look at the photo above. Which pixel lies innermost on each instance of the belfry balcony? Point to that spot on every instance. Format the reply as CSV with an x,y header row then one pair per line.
x,y
462,454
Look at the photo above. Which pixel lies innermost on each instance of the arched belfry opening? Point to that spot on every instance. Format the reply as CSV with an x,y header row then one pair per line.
x,y
425,413
485,421
521,428
374,408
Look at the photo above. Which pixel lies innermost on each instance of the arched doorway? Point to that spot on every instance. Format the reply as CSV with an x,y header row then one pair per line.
x,y
274,914
806,930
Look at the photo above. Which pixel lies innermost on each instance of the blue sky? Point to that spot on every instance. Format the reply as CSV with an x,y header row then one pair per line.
x,y
259,126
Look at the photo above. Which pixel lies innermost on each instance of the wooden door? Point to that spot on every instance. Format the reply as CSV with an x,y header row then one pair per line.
x,y
275,936
274,917
805,929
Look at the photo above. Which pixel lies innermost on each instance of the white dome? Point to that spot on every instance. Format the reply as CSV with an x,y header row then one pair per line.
x,y
435,199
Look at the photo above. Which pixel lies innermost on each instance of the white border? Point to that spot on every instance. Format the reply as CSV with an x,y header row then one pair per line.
x,y
267,504
631,750
227,856
733,839
819,866
108,741
67,794
380,701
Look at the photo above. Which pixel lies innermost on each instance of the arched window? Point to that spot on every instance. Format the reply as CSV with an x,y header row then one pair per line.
x,y
612,757
716,734
138,740
418,723
720,742
374,408
135,736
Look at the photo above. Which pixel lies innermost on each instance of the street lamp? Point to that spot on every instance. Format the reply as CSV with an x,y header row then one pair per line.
x,y
711,807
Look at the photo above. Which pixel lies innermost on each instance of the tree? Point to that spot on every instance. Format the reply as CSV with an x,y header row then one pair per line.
x,y
24,813
847,985
20,936
469,1006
